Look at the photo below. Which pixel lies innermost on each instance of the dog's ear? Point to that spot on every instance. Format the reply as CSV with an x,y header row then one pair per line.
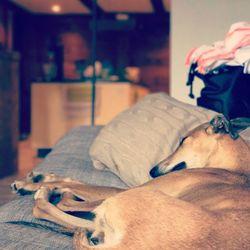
x,y
221,125
240,124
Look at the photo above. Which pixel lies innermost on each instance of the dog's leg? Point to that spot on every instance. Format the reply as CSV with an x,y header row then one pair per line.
x,y
68,200
43,209
83,192
80,191
33,181
73,206
93,223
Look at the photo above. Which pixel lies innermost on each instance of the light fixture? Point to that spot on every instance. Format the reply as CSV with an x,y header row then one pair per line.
x,y
56,8
122,17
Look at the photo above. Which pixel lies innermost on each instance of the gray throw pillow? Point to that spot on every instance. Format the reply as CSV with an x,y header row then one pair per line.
x,y
140,137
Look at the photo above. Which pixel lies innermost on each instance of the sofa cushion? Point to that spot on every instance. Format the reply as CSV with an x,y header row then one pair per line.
x,y
70,158
140,137
31,237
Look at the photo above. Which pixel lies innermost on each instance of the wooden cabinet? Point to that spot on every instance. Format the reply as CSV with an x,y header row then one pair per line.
x,y
9,81
58,107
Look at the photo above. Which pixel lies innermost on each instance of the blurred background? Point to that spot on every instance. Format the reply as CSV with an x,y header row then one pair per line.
x,y
47,50
129,34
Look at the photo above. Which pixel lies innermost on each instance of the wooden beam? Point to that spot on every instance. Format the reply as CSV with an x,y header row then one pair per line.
x,y
158,6
90,3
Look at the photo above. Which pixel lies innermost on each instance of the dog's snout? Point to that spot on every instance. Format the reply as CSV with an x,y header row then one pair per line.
x,y
154,172
179,166
158,171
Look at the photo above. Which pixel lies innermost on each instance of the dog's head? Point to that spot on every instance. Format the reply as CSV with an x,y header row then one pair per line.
x,y
209,145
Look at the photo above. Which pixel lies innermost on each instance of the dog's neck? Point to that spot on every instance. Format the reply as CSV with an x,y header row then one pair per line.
x,y
233,155
244,156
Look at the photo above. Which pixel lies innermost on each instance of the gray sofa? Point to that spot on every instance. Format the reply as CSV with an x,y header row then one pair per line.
x,y
70,157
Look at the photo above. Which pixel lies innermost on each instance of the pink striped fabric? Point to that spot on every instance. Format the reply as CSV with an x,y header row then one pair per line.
x,y
223,52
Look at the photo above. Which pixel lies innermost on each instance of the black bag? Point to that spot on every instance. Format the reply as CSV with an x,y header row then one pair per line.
x,y
227,90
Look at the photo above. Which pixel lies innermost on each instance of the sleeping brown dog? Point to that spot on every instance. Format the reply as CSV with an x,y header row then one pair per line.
x,y
204,205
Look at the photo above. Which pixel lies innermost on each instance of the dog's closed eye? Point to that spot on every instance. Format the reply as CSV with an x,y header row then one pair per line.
x,y
182,140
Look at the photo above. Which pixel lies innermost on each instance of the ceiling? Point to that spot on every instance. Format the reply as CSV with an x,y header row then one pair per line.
x,y
84,6
128,6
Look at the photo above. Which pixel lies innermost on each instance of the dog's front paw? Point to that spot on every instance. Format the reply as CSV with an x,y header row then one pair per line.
x,y
29,184
20,187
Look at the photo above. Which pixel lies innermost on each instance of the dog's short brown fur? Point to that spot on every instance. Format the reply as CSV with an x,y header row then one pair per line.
x,y
205,206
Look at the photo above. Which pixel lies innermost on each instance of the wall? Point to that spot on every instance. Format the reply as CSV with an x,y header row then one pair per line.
x,y
194,23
